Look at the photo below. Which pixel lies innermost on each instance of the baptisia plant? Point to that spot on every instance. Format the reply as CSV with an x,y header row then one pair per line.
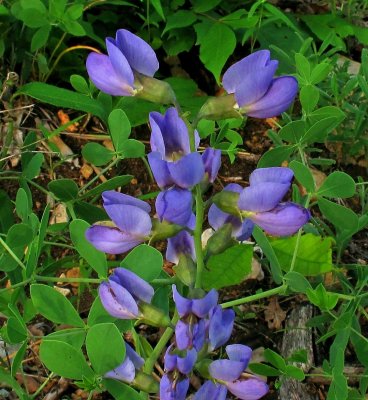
x,y
252,90
128,69
199,325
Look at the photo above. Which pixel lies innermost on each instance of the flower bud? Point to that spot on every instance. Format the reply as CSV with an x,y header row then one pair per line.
x,y
220,240
228,202
219,108
153,315
146,383
163,230
154,90
185,270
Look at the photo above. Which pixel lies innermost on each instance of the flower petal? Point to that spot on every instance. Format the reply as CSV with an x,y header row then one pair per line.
x,y
130,219
277,99
173,390
183,305
139,54
188,171
135,285
111,197
226,370
170,135
201,307
160,170
212,161
186,364
245,231
250,389
239,352
182,243
110,240
120,64
220,327
250,77
137,360
211,391
284,220
272,174
117,301
182,335
262,197
125,372
174,205
104,76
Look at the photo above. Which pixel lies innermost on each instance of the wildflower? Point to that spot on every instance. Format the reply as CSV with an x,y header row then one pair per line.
x,y
231,376
126,371
181,361
175,205
123,292
173,387
260,202
171,160
178,245
220,326
127,54
212,160
257,93
131,224
241,229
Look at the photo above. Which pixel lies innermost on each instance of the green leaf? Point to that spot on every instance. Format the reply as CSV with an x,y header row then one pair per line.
x,y
337,184
107,357
120,128
73,336
6,212
158,7
275,359
180,19
293,131
344,219
33,167
74,27
294,372
214,51
33,18
75,11
319,130
265,370
63,98
79,84
309,96
320,72
133,149
303,175
6,378
145,261
275,157
326,112
303,67
64,360
266,247
228,268
63,189
97,154
201,6
22,206
110,184
321,298
40,37
297,282
95,258
54,306
17,360
16,331
120,390
314,254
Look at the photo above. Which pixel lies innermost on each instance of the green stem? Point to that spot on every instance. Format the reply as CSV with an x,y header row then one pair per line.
x,y
16,285
11,253
44,383
72,280
254,297
148,168
198,236
166,336
7,141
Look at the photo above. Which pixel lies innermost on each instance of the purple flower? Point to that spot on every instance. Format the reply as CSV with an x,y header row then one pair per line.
x,y
173,388
212,161
128,55
260,202
175,205
176,361
171,160
199,307
229,373
178,245
123,292
241,230
132,224
257,93
220,326
190,332
126,371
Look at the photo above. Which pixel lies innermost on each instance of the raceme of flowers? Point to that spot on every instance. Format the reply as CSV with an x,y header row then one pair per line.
x,y
177,166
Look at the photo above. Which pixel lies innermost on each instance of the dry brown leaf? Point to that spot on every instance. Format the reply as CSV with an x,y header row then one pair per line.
x,y
86,171
256,272
108,144
274,314
272,122
64,291
59,215
64,119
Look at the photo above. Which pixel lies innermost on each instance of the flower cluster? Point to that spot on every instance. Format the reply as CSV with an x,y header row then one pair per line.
x,y
202,328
